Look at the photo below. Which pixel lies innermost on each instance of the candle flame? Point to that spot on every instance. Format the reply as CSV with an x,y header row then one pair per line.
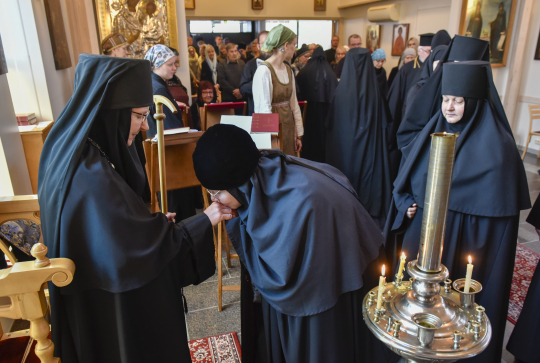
x,y
470,260
403,255
382,273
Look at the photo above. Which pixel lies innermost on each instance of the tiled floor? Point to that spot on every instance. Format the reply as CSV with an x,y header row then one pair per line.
x,y
203,318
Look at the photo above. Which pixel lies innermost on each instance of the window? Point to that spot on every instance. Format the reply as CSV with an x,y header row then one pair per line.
x,y
308,31
219,26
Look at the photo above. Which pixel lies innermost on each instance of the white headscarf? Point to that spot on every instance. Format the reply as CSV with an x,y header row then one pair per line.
x,y
212,63
406,52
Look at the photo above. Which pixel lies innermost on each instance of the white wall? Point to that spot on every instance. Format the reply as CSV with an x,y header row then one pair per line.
x,y
530,83
424,16
14,178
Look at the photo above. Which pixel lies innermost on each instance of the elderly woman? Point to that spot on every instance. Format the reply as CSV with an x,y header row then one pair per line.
x,y
274,89
207,94
289,208
302,57
209,66
408,55
489,188
164,65
379,58
130,263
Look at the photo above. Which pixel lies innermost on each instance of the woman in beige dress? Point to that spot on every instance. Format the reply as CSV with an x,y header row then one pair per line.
x,y
274,89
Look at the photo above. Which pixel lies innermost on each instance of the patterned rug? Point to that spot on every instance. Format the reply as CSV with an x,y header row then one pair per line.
x,y
223,348
526,261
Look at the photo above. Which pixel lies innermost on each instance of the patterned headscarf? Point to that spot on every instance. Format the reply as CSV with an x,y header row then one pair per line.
x,y
277,37
378,54
158,54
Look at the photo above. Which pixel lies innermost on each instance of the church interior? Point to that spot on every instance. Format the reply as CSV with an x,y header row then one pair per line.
x,y
355,134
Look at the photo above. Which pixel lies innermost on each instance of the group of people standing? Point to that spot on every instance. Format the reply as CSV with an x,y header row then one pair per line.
x,y
311,233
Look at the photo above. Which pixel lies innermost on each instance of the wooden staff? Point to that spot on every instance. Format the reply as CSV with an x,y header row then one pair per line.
x,y
160,116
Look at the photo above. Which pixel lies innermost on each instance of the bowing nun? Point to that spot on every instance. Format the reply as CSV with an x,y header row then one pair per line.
x,y
489,189
311,249
131,265
317,84
356,140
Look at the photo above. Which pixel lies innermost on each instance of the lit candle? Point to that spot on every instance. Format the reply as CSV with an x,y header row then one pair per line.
x,y
382,282
401,265
468,276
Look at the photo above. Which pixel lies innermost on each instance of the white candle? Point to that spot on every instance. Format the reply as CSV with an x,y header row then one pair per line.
x,y
468,276
403,258
382,282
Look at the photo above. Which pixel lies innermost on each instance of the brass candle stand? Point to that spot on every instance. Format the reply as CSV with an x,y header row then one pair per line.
x,y
419,319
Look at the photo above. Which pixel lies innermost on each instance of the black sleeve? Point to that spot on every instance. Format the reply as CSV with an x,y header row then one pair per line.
x,y
339,67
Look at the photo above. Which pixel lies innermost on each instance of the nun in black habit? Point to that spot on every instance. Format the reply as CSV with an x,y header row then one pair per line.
x,y
426,100
523,343
407,76
310,247
356,140
316,83
131,265
489,188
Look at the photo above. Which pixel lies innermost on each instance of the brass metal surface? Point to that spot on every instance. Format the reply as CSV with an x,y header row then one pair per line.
x,y
439,179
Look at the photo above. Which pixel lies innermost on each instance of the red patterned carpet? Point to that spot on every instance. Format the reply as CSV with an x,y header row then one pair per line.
x,y
223,348
526,261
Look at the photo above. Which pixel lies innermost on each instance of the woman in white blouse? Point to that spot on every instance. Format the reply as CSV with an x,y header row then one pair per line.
x,y
274,89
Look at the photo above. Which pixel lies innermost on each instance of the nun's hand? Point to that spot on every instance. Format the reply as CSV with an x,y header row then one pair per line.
x,y
217,212
170,217
412,211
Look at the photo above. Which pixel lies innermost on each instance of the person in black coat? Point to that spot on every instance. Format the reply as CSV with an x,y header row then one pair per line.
x,y
523,343
379,58
316,84
356,137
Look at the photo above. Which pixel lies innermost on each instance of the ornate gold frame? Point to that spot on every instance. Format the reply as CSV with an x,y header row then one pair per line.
x,y
104,10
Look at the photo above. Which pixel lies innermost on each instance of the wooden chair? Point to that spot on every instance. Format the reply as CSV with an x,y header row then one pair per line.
x,y
24,284
534,114
214,111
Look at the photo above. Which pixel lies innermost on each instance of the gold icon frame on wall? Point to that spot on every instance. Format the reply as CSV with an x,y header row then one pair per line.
x,y
143,23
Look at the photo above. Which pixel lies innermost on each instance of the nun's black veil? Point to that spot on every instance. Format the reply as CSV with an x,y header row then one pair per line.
x,y
106,88
357,125
427,100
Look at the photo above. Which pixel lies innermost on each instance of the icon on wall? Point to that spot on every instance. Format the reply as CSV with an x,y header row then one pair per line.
x,y
400,36
320,5
373,38
491,21
257,4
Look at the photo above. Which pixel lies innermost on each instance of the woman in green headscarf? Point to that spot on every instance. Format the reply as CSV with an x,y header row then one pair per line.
x,y
274,89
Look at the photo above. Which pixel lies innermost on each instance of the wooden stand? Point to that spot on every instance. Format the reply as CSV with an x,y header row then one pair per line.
x,y
33,144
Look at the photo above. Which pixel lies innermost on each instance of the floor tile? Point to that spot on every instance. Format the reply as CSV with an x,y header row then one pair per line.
x,y
204,323
525,235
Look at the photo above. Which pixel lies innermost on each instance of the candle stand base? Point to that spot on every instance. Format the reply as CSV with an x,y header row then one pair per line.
x,y
448,317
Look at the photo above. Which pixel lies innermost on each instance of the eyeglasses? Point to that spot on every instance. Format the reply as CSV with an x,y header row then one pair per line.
x,y
213,193
141,117
208,93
